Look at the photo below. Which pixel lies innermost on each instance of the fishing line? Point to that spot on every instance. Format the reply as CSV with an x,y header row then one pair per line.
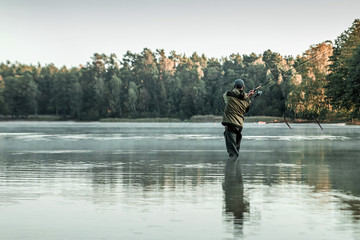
x,y
296,69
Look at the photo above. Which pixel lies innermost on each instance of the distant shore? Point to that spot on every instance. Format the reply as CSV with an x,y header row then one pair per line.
x,y
197,118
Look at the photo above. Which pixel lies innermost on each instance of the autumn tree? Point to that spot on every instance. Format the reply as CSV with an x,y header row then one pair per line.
x,y
307,95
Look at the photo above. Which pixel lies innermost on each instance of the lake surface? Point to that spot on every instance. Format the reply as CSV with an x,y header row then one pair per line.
x,y
66,180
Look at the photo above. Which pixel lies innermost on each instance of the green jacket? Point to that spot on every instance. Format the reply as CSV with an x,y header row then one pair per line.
x,y
237,103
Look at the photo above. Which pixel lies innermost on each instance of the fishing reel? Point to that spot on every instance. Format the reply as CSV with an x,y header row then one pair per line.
x,y
257,93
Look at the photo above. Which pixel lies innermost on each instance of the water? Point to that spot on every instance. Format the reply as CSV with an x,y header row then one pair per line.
x,y
65,180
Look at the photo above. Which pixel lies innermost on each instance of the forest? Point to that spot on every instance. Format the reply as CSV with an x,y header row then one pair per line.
x,y
323,82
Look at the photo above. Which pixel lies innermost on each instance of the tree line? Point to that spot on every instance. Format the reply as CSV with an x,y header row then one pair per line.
x,y
323,82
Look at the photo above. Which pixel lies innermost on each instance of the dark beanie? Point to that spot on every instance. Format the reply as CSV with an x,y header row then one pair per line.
x,y
238,83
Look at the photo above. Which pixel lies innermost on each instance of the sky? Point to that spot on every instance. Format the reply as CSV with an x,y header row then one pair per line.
x,y
70,32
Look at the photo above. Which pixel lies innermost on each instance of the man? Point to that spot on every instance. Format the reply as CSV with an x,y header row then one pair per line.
x,y
237,103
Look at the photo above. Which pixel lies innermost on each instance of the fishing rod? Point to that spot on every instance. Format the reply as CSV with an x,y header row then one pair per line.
x,y
297,66
287,72
258,93
317,122
256,90
286,121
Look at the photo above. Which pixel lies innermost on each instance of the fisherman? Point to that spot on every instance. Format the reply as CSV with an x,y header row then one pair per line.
x,y
237,103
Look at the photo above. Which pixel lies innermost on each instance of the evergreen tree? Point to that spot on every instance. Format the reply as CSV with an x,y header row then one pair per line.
x,y
45,83
20,94
3,106
339,79
115,98
132,97
352,93
214,86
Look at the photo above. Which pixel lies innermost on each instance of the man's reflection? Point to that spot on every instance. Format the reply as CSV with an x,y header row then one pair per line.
x,y
234,191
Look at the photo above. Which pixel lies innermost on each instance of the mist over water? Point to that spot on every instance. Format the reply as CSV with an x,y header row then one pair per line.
x,y
67,180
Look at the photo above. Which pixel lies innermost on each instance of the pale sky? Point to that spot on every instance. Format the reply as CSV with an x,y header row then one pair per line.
x,y
70,32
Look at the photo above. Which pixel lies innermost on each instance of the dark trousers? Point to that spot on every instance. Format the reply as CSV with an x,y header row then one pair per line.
x,y
232,141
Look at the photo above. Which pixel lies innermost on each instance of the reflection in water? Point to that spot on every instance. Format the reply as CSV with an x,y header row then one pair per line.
x,y
233,187
152,181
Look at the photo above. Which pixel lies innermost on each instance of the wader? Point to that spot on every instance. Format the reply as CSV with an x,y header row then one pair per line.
x,y
232,140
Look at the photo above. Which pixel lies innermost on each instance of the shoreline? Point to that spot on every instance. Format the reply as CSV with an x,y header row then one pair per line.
x,y
197,118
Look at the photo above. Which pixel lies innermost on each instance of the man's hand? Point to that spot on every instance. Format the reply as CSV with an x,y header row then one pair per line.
x,y
250,93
